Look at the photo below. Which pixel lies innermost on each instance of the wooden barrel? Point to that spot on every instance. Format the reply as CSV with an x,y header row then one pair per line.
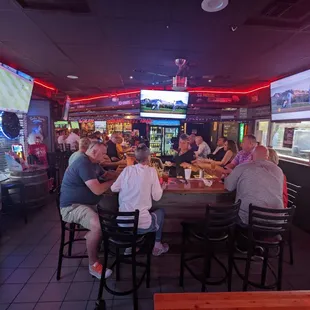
x,y
36,186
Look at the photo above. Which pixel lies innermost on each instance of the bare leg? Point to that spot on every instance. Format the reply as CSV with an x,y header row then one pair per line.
x,y
93,238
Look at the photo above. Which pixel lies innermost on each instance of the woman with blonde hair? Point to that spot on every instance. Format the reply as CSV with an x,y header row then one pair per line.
x,y
273,157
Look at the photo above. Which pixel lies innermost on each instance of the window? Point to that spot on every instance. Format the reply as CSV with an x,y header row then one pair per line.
x,y
262,128
291,140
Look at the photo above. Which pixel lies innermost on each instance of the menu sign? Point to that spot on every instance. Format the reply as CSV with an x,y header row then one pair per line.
x,y
288,137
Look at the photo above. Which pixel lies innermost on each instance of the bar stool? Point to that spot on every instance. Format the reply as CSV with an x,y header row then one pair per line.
x,y
218,227
119,231
13,196
268,229
71,229
293,193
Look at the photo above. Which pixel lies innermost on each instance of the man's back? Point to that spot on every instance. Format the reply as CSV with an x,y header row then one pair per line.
x,y
73,188
259,183
137,185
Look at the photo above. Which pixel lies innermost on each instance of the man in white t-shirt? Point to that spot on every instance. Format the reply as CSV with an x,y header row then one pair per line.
x,y
203,148
137,186
73,139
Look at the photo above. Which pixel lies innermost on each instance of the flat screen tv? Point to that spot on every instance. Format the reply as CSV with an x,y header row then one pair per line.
x,y
163,104
75,125
15,90
290,97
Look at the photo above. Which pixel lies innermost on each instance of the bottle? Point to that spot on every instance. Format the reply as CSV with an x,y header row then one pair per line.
x,y
200,174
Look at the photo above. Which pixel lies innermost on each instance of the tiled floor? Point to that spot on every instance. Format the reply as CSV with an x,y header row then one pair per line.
x,y
28,259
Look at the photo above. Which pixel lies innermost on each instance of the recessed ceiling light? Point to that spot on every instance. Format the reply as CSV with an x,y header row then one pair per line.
x,y
131,77
72,77
209,81
214,5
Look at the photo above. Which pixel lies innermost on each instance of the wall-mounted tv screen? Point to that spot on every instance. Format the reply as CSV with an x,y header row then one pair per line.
x,y
75,125
163,104
15,90
290,97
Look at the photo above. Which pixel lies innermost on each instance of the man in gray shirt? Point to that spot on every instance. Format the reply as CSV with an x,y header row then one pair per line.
x,y
259,182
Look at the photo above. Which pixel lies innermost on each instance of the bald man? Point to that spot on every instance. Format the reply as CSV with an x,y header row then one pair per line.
x,y
259,182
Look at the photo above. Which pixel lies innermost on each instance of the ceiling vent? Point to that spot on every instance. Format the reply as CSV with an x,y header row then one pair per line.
x,y
279,8
74,6
283,14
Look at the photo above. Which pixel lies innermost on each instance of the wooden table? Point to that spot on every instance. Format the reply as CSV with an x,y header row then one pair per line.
x,y
291,300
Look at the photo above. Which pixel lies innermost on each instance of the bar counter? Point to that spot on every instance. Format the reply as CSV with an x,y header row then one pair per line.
x,y
182,201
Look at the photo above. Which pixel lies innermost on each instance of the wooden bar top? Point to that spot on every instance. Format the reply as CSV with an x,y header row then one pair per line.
x,y
194,186
293,300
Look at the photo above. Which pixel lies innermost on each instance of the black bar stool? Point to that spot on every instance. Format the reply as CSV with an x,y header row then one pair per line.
x,y
268,229
293,192
218,227
13,196
119,231
71,229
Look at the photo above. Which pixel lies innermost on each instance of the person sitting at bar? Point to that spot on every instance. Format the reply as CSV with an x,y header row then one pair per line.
x,y
73,139
203,148
137,186
259,182
80,193
185,155
112,148
248,145
83,146
230,149
219,152
273,157
192,142
61,138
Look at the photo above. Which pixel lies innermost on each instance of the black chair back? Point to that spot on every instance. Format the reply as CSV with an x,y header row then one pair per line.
x,y
268,222
292,191
221,218
119,227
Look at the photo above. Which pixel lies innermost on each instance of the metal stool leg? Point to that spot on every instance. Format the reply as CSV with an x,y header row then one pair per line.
x,y
280,267
181,278
264,268
290,244
247,269
117,265
134,279
71,238
61,251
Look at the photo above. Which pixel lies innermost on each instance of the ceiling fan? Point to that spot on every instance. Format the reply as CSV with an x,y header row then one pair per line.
x,y
183,71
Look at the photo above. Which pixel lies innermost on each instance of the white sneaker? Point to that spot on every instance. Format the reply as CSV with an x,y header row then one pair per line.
x,y
96,271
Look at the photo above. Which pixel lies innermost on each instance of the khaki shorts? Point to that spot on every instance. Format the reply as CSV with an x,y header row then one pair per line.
x,y
79,214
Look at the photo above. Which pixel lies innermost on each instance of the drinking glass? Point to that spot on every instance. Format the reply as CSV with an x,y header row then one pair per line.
x,y
187,173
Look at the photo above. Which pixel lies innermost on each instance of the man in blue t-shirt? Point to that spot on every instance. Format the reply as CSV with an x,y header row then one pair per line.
x,y
80,193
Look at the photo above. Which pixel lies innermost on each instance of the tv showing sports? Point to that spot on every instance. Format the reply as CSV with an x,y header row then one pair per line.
x,y
163,104
15,90
290,97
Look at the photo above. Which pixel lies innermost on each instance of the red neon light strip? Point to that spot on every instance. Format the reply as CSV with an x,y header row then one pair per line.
x,y
105,96
190,91
44,85
229,91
